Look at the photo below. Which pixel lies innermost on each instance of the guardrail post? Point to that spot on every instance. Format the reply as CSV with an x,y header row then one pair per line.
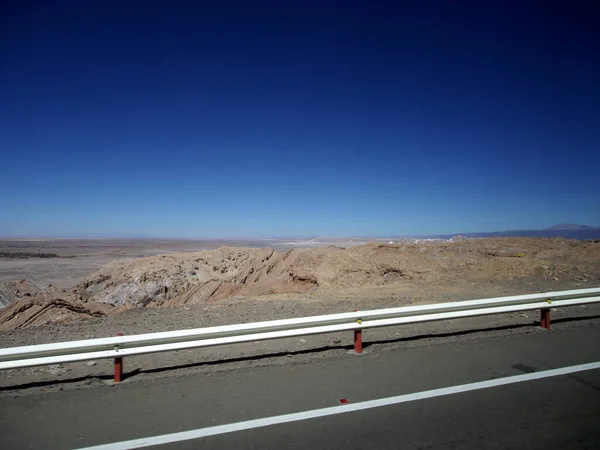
x,y
118,366
357,341
545,318
358,337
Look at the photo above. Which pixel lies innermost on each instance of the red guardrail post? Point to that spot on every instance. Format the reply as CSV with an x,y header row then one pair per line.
x,y
357,341
118,366
545,318
358,337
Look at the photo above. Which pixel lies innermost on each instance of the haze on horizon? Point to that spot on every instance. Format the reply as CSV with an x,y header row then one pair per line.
x,y
270,119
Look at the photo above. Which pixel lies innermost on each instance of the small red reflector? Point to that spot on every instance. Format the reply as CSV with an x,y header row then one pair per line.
x,y
344,401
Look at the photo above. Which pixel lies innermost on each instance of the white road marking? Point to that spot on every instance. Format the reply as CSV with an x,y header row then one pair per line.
x,y
313,414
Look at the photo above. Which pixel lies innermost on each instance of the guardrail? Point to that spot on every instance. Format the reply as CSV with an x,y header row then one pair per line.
x,y
120,346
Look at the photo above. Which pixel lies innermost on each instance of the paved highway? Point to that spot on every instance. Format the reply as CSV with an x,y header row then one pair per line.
x,y
552,412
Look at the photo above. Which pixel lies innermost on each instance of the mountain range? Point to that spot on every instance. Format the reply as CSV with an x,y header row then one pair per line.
x,y
564,230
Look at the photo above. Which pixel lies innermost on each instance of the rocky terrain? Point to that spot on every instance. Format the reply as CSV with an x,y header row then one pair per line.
x,y
332,273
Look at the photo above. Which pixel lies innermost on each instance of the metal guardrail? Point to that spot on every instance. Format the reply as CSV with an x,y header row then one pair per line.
x,y
120,346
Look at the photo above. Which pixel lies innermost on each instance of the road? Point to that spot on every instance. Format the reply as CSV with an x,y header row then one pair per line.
x,y
553,412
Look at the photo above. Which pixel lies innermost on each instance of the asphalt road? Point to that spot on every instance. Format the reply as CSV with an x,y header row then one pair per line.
x,y
558,412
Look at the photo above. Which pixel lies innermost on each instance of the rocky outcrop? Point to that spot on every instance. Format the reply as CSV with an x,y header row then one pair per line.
x,y
37,311
15,290
207,276
179,279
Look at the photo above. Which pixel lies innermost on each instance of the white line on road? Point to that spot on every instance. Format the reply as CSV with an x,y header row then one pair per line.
x,y
315,413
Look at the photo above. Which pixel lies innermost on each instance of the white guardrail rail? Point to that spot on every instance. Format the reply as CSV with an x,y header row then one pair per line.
x,y
120,346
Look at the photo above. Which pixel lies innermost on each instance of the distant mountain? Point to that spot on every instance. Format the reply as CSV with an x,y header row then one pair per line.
x,y
564,230
567,231
570,227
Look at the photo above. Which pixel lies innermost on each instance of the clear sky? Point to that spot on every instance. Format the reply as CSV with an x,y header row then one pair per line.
x,y
297,118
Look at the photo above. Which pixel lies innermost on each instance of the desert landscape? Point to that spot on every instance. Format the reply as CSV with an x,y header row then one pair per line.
x,y
55,291
57,282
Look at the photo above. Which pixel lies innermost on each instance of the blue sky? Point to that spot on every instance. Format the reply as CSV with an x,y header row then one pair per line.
x,y
261,119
